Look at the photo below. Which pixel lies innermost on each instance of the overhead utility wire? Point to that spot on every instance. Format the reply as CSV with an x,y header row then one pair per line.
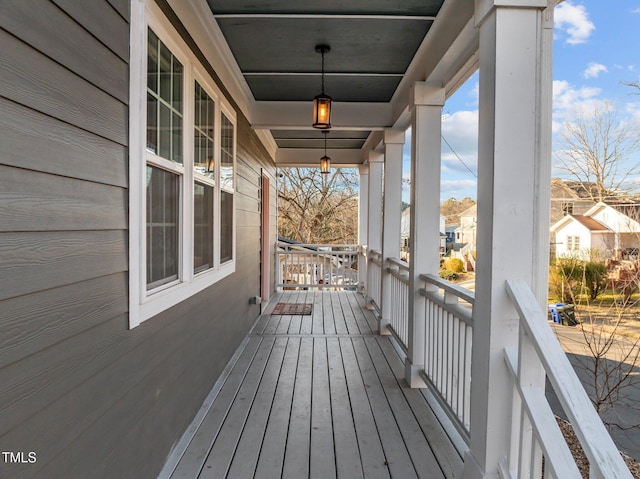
x,y
459,159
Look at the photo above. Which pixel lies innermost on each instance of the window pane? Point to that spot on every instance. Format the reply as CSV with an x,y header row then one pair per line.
x,y
226,226
226,160
152,124
164,101
203,227
204,126
152,62
163,191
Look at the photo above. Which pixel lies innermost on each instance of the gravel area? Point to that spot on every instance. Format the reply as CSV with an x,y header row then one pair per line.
x,y
581,459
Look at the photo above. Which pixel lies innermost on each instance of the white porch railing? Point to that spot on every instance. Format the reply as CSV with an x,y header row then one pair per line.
x,y
535,433
316,266
374,278
399,320
448,339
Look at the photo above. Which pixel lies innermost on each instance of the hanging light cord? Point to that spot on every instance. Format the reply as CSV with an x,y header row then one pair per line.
x,y
322,72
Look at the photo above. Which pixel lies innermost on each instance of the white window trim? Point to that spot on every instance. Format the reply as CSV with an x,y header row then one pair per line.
x,y
142,304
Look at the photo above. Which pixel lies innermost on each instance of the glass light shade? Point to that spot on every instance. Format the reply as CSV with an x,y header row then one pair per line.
x,y
322,112
325,165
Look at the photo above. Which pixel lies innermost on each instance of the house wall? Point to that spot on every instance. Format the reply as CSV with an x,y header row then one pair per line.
x,y
604,243
573,229
616,221
90,397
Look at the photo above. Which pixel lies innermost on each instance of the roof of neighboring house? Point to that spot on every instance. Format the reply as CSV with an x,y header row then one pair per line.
x,y
590,223
586,221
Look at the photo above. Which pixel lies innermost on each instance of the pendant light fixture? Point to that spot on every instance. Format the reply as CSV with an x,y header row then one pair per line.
x,y
325,161
322,102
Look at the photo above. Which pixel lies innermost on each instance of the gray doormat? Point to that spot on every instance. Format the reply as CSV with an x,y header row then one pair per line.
x,y
293,308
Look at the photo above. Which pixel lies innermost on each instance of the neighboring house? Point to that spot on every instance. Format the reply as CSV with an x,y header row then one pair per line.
x,y
611,230
466,232
450,233
568,198
577,235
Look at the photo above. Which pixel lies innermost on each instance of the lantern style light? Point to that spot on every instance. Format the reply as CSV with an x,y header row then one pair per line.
x,y
325,161
322,102
325,165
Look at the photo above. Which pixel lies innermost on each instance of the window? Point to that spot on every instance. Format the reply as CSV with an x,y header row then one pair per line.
x,y
226,181
204,174
573,243
567,209
182,170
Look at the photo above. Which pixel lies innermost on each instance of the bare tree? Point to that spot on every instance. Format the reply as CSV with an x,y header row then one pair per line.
x,y
633,84
594,150
610,361
313,209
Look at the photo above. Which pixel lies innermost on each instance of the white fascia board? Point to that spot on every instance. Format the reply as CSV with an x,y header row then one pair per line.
x,y
294,157
561,223
287,115
597,208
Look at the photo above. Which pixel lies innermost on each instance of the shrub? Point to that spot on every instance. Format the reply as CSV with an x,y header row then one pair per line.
x,y
448,274
454,264
568,277
595,278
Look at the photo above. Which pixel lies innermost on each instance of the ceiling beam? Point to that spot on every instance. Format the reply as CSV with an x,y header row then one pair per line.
x,y
296,115
426,18
304,157
326,74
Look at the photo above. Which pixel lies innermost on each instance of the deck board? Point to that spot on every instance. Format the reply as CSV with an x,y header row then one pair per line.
x,y
271,458
318,396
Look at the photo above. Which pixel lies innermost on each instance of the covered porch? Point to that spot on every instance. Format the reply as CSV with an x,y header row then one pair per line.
x,y
481,357
320,396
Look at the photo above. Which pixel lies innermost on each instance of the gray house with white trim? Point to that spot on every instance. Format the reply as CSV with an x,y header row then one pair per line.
x,y
139,141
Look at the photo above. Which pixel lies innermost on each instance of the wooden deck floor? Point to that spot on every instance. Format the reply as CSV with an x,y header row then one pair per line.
x,y
318,396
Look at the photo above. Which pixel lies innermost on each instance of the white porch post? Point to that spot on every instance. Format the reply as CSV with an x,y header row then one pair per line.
x,y
510,149
391,216
424,238
374,223
363,225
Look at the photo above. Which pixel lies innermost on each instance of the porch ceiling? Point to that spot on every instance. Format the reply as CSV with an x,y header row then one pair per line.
x,y
378,48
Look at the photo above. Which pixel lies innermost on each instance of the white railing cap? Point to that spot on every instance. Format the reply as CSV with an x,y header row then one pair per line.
x,y
596,442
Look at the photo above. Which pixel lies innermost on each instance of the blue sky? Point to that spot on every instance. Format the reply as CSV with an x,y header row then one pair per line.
x,y
595,51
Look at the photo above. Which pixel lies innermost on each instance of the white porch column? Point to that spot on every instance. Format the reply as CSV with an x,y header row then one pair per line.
x,y
374,223
363,224
426,100
509,211
391,216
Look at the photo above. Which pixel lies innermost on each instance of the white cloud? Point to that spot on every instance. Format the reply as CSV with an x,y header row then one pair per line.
x,y
594,69
567,98
460,129
458,189
574,21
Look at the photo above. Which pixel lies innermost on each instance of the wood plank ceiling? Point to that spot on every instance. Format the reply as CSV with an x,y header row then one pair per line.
x,y
372,45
